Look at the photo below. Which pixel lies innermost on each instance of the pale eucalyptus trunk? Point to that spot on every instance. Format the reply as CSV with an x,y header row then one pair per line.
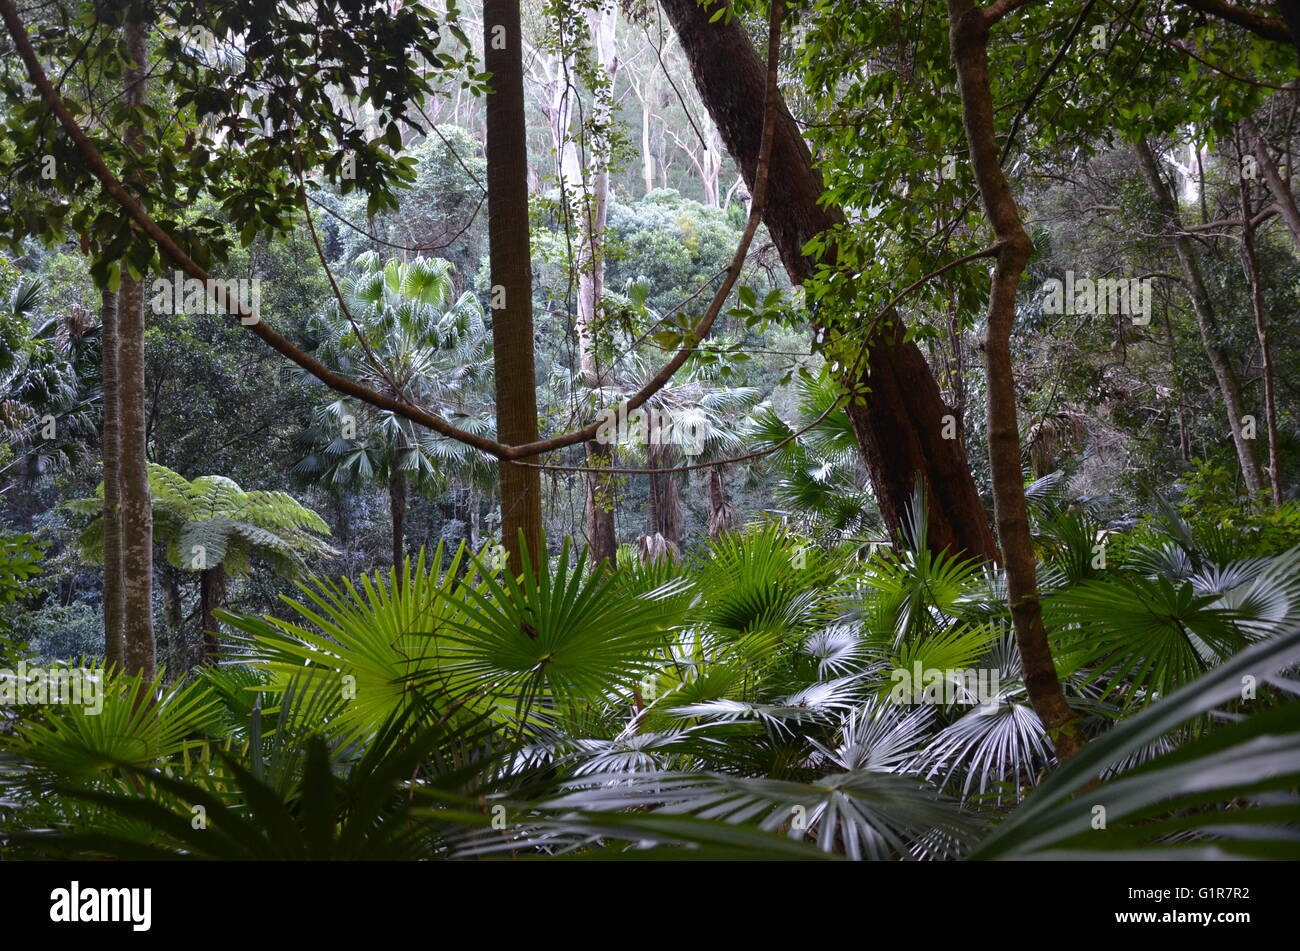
x,y
594,215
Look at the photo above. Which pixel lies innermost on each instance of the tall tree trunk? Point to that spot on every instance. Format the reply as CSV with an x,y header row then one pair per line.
x,y
512,277
900,429
397,509
1229,388
594,215
1250,266
647,155
114,614
137,506
1184,433
968,33
212,594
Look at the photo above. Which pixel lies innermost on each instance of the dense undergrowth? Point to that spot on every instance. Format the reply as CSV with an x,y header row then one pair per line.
x,y
760,700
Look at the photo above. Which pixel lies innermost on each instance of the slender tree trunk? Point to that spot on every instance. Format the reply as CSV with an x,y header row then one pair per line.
x,y
647,155
1184,434
397,509
900,430
136,503
1229,388
512,276
473,523
114,631
594,214
969,31
212,594
1250,265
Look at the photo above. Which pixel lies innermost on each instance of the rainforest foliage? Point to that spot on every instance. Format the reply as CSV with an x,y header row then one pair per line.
x,y
728,429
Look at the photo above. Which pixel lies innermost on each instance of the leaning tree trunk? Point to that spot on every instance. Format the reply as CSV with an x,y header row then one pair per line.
x,y
136,503
212,594
900,429
114,634
968,33
1229,387
512,277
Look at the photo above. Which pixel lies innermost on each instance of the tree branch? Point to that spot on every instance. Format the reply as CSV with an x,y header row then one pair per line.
x,y
1260,25
168,246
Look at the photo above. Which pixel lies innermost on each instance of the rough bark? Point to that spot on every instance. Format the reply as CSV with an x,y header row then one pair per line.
x,y
1206,322
171,643
212,594
968,33
512,280
114,631
900,428
722,515
342,519
665,498
136,502
598,509
397,511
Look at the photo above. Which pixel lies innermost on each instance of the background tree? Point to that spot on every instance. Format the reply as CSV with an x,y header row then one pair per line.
x,y
403,330
214,528
900,424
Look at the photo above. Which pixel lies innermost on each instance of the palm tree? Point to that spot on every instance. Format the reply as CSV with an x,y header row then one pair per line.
x,y
403,332
213,527
820,473
704,413
728,706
